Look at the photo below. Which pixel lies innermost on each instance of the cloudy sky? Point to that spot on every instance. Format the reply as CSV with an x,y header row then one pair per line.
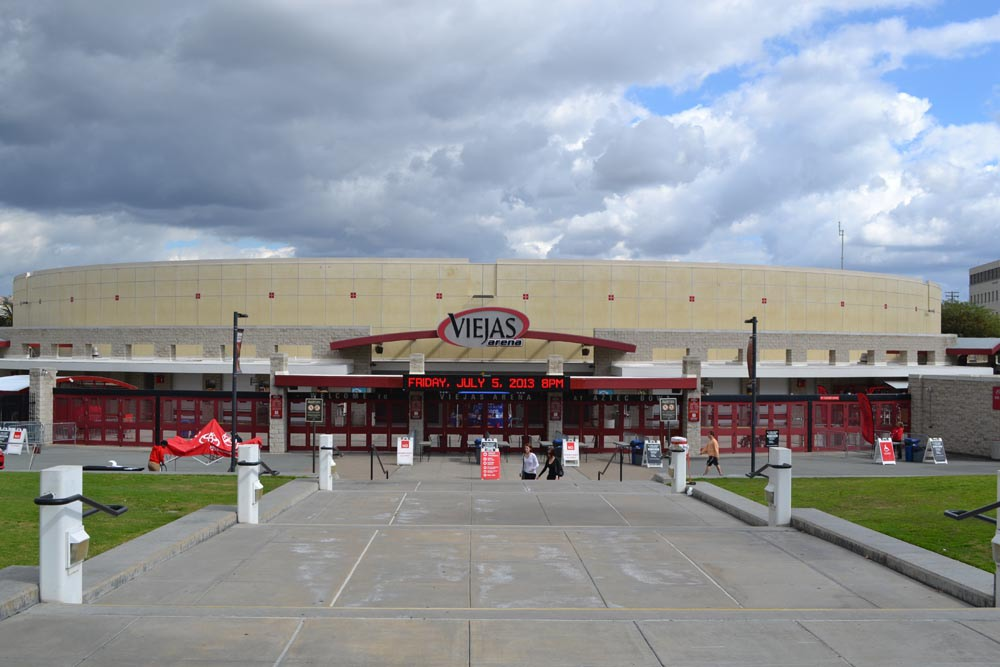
x,y
718,131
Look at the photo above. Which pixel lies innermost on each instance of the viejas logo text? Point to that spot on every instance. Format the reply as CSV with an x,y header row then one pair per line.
x,y
484,327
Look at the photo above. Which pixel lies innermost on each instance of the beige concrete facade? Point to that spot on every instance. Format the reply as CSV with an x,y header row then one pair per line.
x,y
394,295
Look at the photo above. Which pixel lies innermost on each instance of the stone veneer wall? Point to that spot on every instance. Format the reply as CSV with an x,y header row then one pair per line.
x,y
959,410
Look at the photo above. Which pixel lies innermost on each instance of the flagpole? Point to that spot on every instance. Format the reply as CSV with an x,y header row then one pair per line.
x,y
236,369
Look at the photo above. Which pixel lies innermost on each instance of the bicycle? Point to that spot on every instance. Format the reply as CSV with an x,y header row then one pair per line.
x,y
744,442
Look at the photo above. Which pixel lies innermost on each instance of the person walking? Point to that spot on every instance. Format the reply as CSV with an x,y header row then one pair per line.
x,y
529,464
712,449
552,464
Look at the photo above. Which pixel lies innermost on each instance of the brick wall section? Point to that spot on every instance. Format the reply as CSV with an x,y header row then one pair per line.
x,y
212,340
796,344
959,410
41,382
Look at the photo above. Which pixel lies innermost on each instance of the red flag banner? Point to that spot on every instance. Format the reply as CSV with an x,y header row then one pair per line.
x,y
751,360
239,346
867,419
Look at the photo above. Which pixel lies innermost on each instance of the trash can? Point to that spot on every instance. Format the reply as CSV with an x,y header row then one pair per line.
x,y
908,446
478,449
636,452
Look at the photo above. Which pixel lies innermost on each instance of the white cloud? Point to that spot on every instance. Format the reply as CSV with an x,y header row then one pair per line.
x,y
485,130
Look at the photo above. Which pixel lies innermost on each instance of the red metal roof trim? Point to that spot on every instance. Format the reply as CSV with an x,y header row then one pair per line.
x,y
955,351
373,381
582,340
552,336
616,382
94,381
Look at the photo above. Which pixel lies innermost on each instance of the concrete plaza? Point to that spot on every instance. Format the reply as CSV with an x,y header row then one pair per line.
x,y
436,567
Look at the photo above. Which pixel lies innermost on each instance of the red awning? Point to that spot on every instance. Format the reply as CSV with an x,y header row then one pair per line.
x,y
372,381
616,382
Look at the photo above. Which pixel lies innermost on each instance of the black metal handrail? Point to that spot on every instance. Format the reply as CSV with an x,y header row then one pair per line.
x,y
47,500
621,460
268,470
759,472
975,514
376,455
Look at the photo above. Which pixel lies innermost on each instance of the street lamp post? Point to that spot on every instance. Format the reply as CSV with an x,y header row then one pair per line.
x,y
752,371
236,368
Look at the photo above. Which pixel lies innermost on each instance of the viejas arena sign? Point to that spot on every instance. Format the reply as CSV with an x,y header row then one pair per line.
x,y
484,327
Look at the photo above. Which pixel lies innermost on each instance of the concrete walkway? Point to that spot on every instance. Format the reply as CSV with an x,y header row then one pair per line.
x,y
435,567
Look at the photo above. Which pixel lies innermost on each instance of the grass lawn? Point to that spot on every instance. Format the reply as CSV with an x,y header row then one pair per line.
x,y
152,501
910,509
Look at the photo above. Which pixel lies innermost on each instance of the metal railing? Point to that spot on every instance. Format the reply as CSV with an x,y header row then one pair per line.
x,y
38,434
374,455
621,462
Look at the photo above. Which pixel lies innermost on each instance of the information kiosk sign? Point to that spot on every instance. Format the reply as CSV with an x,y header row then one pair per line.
x,y
934,451
571,453
886,455
652,454
489,460
404,451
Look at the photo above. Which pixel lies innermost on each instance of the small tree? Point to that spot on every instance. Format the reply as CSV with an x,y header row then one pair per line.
x,y
6,312
969,320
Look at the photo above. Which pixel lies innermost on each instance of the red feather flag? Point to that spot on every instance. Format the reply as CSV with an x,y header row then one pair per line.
x,y
867,419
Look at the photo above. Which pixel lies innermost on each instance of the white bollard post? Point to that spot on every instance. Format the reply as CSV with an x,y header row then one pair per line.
x,y
996,554
779,487
62,541
678,461
326,463
248,486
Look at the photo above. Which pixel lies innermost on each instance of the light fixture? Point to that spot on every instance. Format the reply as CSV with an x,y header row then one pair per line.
x,y
379,349
585,351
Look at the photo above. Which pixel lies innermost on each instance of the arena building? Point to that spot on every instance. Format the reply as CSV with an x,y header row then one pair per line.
x,y
447,350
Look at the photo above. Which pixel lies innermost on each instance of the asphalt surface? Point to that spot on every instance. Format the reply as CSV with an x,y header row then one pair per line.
x,y
433,566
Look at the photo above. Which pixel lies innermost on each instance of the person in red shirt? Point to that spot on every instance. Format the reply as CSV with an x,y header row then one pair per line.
x,y
158,457
897,437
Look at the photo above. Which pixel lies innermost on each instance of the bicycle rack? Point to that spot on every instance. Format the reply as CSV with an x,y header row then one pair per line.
x,y
62,541
759,472
975,514
47,500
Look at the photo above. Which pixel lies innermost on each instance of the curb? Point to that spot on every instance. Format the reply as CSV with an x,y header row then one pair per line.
x,y
963,582
109,570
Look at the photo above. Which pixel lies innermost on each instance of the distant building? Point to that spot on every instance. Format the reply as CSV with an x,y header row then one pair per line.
x,y
984,285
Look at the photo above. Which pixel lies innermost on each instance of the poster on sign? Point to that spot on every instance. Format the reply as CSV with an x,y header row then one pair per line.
x,y
404,451
16,438
571,453
652,454
934,451
886,454
489,464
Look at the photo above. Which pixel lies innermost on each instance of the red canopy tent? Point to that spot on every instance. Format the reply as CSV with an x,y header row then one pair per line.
x,y
212,442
